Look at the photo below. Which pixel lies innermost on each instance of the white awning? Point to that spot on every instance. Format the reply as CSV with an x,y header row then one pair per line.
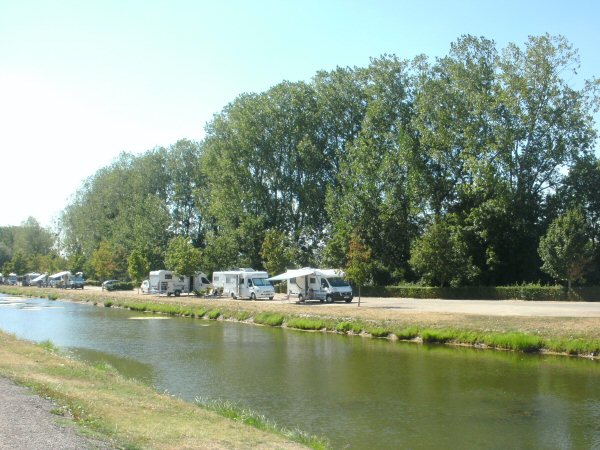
x,y
40,278
294,273
60,274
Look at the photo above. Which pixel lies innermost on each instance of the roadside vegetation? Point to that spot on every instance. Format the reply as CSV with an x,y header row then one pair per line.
x,y
129,414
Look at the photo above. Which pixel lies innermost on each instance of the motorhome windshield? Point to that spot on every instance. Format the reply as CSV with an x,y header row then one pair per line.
x,y
261,282
337,282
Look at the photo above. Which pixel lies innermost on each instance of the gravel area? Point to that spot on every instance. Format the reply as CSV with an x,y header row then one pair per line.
x,y
26,423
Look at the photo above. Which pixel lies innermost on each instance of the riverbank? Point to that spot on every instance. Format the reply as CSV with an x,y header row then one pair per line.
x,y
118,412
392,319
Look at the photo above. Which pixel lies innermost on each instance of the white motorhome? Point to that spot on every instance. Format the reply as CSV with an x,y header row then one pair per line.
x,y
41,280
28,278
60,279
11,279
326,285
244,283
168,282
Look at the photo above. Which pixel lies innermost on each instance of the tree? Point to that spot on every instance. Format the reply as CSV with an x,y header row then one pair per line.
x,y
358,267
566,248
440,255
105,261
182,257
277,252
137,266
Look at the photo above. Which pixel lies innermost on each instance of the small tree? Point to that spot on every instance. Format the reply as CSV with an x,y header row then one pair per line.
x,y
182,257
137,267
440,254
103,261
358,267
566,249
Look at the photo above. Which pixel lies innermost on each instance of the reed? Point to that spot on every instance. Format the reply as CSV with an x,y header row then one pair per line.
x,y
271,319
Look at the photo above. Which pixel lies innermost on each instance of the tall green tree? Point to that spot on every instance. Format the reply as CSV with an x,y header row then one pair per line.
x,y
182,257
138,267
441,256
358,268
566,249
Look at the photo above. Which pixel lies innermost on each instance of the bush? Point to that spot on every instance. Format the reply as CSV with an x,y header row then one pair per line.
x,y
266,318
121,286
306,324
516,292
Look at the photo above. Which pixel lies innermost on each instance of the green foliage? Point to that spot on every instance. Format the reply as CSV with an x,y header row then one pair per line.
x,y
302,323
358,267
138,266
271,319
120,286
214,314
49,346
566,248
277,252
440,255
52,296
182,257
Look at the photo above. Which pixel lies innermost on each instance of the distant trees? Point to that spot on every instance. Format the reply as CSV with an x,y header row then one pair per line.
x,y
453,169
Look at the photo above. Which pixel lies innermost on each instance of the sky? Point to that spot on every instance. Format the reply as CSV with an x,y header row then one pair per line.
x,y
83,81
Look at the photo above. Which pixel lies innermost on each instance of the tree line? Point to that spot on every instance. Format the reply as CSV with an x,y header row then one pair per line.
x,y
473,168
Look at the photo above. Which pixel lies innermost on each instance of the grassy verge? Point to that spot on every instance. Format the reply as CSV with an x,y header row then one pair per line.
x,y
569,336
127,413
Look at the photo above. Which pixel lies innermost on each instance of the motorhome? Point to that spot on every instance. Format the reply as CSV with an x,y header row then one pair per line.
x,y
325,285
28,278
40,280
244,283
60,279
11,279
168,282
76,281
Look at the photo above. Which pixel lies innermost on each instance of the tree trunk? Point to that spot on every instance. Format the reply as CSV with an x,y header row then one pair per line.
x,y
359,295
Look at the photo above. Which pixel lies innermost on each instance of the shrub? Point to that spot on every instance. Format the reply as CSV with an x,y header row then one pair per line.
x,y
214,314
343,327
120,286
108,304
407,333
306,324
271,319
52,296
378,332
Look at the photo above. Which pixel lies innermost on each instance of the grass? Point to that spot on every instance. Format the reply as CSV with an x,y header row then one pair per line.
x,y
271,319
126,413
305,323
235,412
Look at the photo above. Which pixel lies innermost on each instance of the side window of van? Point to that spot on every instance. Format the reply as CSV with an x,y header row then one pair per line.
x,y
168,276
324,284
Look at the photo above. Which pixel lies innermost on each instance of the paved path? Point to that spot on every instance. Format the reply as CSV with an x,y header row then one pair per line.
x,y
26,423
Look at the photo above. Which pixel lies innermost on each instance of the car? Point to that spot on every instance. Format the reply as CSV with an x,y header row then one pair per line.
x,y
108,283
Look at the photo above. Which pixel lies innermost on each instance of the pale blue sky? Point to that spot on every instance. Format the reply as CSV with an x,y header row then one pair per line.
x,y
81,81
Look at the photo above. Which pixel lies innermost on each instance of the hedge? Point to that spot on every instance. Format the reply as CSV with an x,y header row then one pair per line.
x,y
120,286
517,292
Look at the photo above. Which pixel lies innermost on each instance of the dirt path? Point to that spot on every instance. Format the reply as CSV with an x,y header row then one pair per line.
x,y
27,423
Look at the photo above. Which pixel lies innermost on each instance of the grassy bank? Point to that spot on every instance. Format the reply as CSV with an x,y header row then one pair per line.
x,y
569,336
131,415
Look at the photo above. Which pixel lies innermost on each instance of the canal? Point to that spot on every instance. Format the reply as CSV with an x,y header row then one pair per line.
x,y
359,393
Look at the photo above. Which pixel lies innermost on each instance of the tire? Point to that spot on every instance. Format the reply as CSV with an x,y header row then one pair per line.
x,y
270,298
168,294
301,298
177,293
252,296
329,299
348,300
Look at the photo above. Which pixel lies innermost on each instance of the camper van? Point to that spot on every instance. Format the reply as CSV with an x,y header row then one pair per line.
x,y
244,283
11,279
40,280
76,281
325,285
60,279
168,282
28,278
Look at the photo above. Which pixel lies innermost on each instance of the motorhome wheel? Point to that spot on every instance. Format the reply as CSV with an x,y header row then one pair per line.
x,y
301,298
252,296
177,293
348,300
329,299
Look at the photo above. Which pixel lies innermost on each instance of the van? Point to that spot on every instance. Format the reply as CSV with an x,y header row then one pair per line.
x,y
325,285
244,283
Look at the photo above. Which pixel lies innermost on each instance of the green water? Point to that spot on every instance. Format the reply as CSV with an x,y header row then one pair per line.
x,y
359,393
